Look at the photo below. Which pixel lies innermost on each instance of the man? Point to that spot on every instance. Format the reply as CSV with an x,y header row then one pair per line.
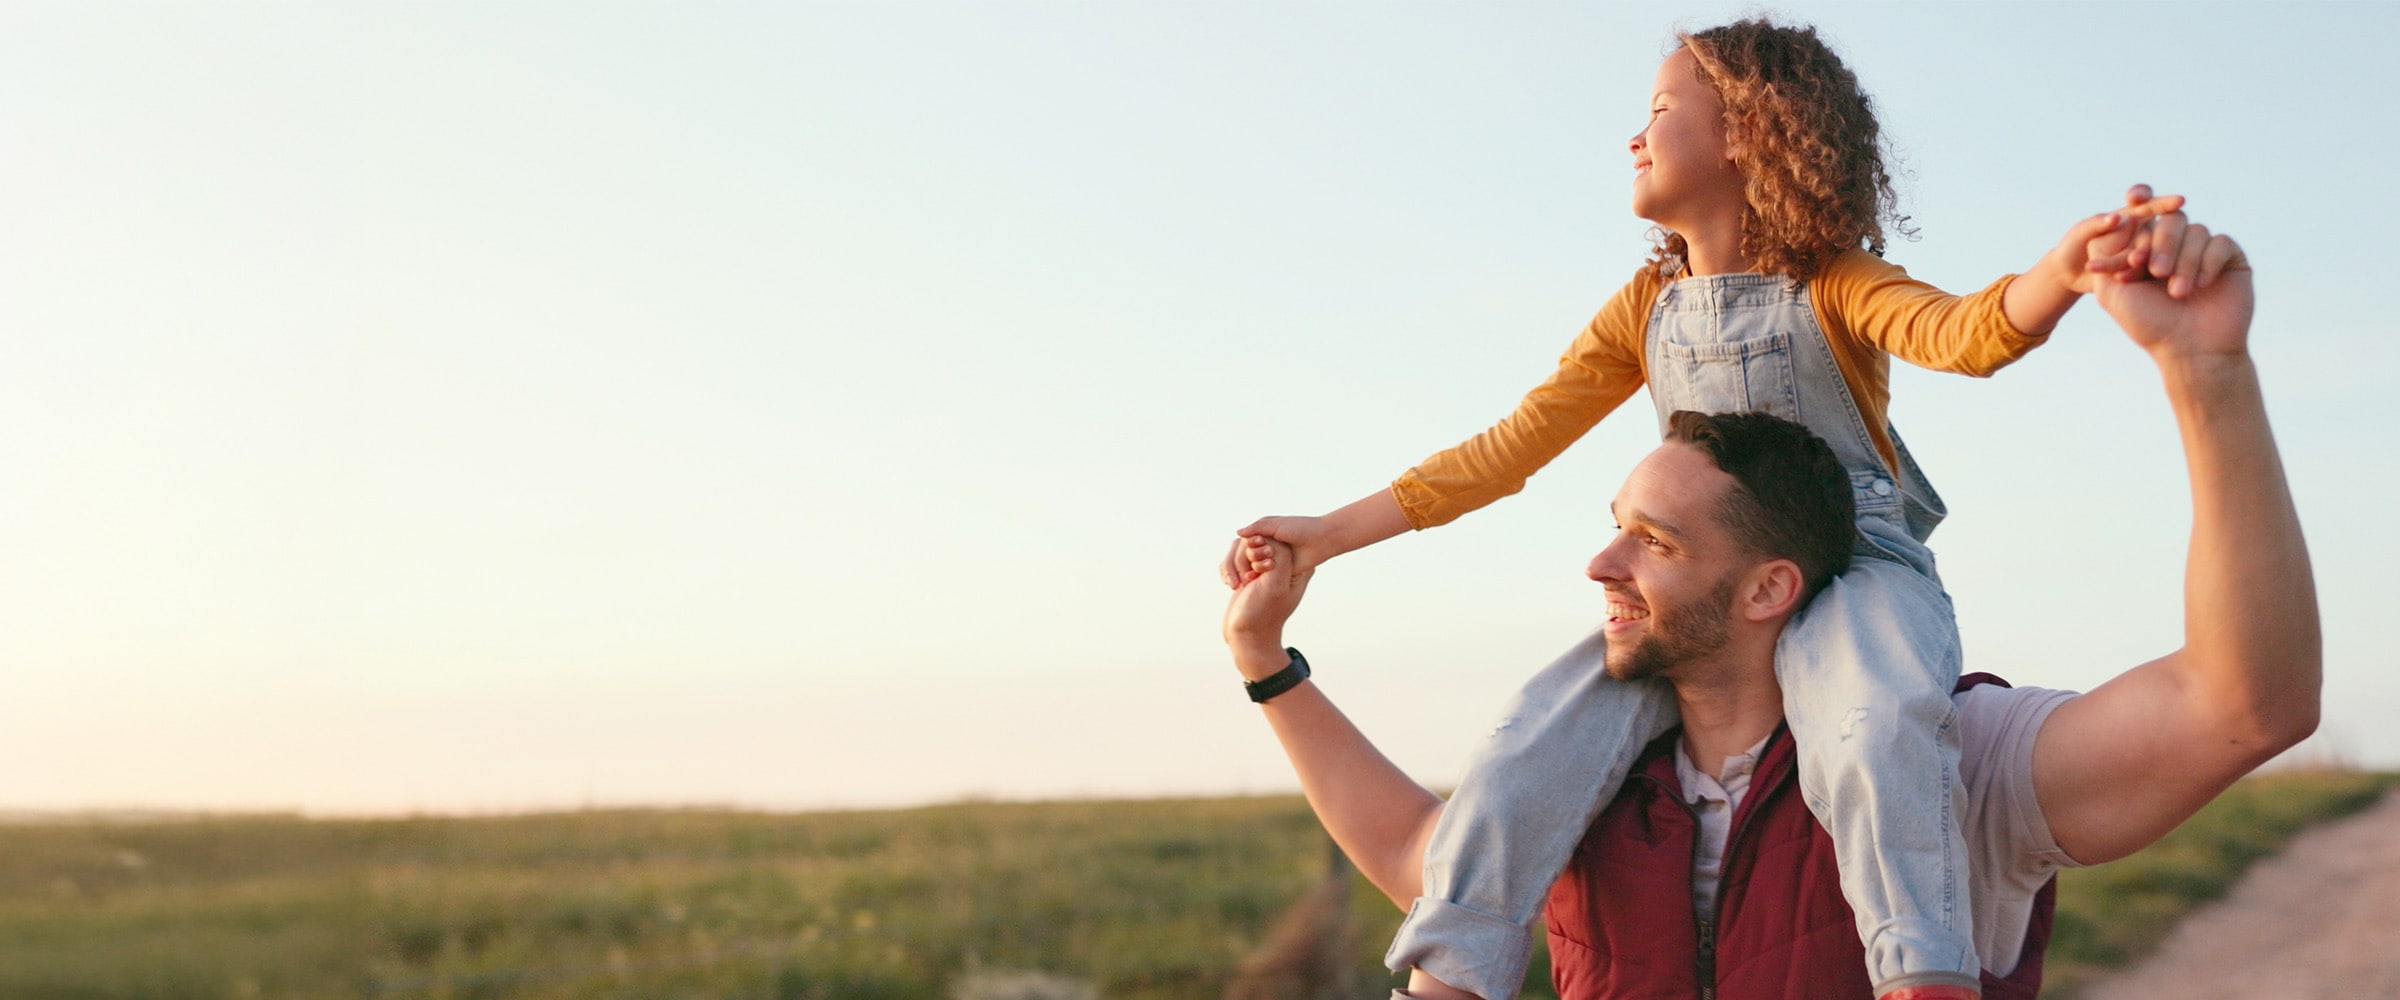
x,y
1701,580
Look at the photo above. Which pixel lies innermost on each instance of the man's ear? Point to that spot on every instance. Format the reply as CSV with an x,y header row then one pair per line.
x,y
1771,590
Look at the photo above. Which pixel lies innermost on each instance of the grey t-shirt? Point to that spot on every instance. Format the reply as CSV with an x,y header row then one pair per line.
x,y
2010,851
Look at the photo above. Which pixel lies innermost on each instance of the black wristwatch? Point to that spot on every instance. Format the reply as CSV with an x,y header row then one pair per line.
x,y
1280,681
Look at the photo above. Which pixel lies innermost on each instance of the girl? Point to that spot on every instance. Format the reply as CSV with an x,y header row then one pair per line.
x,y
1761,166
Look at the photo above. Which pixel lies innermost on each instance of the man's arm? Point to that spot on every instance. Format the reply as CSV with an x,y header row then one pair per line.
x,y
1379,817
2117,768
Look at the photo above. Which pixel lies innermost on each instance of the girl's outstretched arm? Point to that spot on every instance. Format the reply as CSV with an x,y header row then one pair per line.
x,y
1313,540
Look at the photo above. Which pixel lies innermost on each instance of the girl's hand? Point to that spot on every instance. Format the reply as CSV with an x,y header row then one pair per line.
x,y
2120,242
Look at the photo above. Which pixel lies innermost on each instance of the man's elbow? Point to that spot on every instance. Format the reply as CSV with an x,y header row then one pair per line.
x,y
2268,736
2294,722
2277,718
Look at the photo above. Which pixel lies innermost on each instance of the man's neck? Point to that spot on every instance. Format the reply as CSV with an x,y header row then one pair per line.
x,y
1726,711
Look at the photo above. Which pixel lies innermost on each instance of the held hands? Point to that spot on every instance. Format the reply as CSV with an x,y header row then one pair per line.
x,y
2121,243
2154,248
1303,538
2177,289
1265,599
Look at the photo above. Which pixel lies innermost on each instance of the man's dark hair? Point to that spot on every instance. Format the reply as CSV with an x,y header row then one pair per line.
x,y
1791,498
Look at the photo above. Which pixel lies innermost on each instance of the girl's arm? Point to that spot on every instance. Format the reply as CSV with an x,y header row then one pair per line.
x,y
1482,469
1868,305
1369,519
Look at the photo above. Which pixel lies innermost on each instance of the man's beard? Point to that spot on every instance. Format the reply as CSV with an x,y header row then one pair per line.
x,y
1675,637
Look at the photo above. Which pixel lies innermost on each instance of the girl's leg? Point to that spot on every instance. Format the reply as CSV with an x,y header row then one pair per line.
x,y
1559,752
1867,670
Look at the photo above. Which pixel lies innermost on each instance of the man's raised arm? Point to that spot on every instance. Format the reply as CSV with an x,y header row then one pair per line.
x,y
2117,768
1378,816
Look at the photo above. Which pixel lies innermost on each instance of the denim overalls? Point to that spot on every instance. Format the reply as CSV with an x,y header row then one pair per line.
x,y
1867,669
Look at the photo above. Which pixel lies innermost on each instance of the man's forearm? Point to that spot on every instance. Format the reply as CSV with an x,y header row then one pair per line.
x,y
2252,643
1376,814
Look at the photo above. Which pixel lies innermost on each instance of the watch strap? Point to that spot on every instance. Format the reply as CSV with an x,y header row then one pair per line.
x,y
1280,681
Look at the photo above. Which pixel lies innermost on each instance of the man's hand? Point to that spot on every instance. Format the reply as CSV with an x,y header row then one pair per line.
x,y
2211,316
1254,618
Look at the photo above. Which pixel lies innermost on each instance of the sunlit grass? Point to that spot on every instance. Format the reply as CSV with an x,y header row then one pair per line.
x,y
1153,900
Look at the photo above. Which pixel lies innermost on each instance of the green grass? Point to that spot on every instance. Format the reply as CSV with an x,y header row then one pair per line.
x,y
1150,900
1146,899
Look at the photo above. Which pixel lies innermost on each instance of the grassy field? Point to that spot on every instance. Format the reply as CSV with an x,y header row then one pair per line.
x,y
1141,900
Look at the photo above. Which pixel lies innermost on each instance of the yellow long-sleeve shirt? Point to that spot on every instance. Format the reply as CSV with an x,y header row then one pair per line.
x,y
1870,309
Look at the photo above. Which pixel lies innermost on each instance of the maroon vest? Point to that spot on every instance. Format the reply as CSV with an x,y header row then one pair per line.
x,y
1621,920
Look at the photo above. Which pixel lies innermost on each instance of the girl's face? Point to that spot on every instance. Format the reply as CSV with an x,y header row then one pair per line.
x,y
1682,170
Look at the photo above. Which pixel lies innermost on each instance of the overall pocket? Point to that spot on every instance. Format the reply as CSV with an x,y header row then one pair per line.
x,y
1729,377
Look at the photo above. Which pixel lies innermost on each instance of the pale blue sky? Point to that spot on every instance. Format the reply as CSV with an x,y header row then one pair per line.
x,y
460,406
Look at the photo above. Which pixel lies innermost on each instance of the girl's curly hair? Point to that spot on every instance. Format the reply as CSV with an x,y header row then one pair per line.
x,y
1805,140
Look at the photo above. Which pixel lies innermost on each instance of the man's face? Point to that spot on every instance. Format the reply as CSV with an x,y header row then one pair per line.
x,y
1671,571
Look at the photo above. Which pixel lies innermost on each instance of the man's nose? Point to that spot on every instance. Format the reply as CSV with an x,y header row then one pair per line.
x,y
1605,566
1634,145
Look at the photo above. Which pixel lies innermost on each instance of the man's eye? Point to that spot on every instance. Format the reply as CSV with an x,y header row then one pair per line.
x,y
1653,541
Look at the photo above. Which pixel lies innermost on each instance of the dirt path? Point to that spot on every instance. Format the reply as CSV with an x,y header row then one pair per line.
x,y
2322,919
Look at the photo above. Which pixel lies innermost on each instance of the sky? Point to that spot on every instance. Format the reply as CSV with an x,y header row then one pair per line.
x,y
459,407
